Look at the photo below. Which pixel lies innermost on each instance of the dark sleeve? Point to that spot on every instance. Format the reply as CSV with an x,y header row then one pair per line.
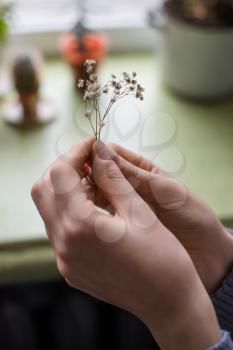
x,y
223,303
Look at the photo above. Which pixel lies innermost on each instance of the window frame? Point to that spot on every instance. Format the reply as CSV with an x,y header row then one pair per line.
x,y
126,37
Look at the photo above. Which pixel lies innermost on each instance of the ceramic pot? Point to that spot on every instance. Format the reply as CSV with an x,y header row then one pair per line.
x,y
196,61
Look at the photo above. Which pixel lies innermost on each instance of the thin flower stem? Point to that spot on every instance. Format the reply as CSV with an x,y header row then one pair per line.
x,y
121,97
100,121
92,127
123,94
91,121
98,109
100,129
96,120
120,86
108,109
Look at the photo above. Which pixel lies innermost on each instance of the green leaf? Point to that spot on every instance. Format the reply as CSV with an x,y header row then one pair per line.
x,y
3,29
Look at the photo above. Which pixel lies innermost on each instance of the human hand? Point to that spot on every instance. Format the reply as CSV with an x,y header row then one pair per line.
x,y
128,259
191,220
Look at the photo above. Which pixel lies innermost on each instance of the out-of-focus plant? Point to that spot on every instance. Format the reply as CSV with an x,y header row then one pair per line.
x,y
211,10
81,43
206,12
4,9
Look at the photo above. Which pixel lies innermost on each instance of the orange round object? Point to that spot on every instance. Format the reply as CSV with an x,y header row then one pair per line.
x,y
94,47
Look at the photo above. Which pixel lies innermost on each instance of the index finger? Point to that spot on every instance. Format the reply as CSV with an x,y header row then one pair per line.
x,y
71,164
132,157
79,154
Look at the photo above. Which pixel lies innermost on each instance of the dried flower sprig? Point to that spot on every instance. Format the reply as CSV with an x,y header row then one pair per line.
x,y
117,88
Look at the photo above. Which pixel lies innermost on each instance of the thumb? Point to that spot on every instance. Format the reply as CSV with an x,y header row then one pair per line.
x,y
110,180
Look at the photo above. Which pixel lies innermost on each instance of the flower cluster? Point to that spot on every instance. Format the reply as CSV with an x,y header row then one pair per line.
x,y
117,88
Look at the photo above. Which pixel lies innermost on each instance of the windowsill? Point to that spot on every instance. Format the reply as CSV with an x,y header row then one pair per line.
x,y
121,39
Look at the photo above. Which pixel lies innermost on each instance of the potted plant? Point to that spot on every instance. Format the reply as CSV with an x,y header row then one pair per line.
x,y
81,44
3,24
197,47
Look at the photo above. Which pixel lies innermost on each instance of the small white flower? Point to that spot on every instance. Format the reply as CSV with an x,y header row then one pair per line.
x,y
88,113
125,86
140,88
90,63
93,77
106,90
89,69
86,96
118,86
96,86
98,93
89,95
81,83
89,87
92,87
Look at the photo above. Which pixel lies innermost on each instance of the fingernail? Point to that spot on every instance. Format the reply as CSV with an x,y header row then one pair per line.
x,y
102,151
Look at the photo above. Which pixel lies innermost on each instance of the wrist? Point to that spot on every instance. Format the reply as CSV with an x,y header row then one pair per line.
x,y
218,258
190,324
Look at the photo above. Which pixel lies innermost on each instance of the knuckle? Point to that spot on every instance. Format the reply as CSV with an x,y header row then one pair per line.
x,y
63,267
56,168
36,190
69,228
63,177
62,251
156,170
73,230
135,172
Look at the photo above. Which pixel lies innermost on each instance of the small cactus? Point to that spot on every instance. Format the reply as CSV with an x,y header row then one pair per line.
x,y
25,75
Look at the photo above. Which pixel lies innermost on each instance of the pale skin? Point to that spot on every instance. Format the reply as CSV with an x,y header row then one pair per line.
x,y
190,219
131,257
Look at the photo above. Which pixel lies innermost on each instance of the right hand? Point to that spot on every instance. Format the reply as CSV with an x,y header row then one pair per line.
x,y
191,220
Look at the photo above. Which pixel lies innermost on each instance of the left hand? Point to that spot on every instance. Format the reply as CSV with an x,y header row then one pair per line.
x,y
128,259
